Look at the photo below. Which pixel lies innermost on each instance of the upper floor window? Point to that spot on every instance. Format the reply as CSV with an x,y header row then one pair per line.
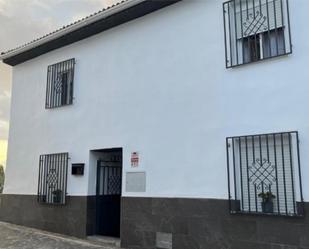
x,y
264,174
59,90
52,184
256,30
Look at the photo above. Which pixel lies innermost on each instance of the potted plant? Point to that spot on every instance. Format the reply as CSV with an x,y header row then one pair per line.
x,y
57,194
267,202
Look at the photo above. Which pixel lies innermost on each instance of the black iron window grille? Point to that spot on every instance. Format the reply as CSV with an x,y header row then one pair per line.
x,y
256,30
264,175
59,90
52,185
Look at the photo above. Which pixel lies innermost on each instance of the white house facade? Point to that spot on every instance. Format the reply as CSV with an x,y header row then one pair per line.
x,y
169,124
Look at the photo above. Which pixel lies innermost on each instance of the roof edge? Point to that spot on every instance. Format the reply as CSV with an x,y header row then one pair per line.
x,y
91,19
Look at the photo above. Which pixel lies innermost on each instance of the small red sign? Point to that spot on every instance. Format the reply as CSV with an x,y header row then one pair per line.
x,y
134,159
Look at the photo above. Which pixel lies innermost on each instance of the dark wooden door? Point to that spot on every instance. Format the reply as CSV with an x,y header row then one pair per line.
x,y
108,199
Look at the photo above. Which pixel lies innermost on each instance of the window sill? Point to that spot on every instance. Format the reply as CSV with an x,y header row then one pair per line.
x,y
259,61
260,214
57,107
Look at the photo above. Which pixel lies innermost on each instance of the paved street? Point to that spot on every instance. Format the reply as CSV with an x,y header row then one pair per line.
x,y
17,237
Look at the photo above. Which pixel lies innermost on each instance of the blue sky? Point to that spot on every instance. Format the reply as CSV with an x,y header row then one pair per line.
x,y
22,21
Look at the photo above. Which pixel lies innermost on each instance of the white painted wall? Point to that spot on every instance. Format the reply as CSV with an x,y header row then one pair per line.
x,y
158,85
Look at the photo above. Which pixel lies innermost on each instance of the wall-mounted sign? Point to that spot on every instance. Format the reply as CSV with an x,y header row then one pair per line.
x,y
135,182
134,159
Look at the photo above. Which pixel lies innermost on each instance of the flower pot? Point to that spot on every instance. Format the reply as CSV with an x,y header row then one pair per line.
x,y
268,207
42,198
57,196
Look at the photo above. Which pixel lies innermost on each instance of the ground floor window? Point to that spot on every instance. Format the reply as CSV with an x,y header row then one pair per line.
x,y
52,184
264,174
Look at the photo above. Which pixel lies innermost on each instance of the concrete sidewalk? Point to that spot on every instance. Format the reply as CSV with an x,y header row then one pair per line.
x,y
18,237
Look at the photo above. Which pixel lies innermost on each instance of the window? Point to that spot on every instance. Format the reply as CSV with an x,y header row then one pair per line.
x,y
52,183
256,30
264,174
59,90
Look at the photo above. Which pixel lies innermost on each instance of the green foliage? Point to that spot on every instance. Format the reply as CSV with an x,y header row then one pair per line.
x,y
268,196
1,178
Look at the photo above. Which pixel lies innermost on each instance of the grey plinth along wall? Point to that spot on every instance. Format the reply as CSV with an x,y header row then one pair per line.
x,y
205,223
71,219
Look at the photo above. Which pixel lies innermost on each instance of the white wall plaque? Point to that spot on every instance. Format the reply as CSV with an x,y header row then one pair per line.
x,y
135,182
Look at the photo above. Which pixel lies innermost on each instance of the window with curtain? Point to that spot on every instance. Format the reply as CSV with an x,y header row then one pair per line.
x,y
256,30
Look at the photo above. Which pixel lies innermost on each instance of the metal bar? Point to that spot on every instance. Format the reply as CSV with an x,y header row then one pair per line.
x,y
260,147
284,179
230,35
253,26
55,86
61,76
72,82
255,40
289,26
241,179
276,29
256,202
52,86
46,163
236,42
267,148
247,6
56,172
277,56
47,179
60,174
276,169
248,37
228,173
64,168
64,85
253,158
253,149
263,134
268,24
66,175
248,179
40,179
282,23
235,188
292,174
242,30
47,100
299,169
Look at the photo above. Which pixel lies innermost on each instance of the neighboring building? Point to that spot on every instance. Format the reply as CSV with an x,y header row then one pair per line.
x,y
190,121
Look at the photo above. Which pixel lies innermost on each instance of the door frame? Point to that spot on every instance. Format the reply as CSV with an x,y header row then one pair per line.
x,y
98,183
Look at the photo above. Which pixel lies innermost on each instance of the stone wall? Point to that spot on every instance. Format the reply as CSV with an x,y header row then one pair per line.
x,y
69,219
205,223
